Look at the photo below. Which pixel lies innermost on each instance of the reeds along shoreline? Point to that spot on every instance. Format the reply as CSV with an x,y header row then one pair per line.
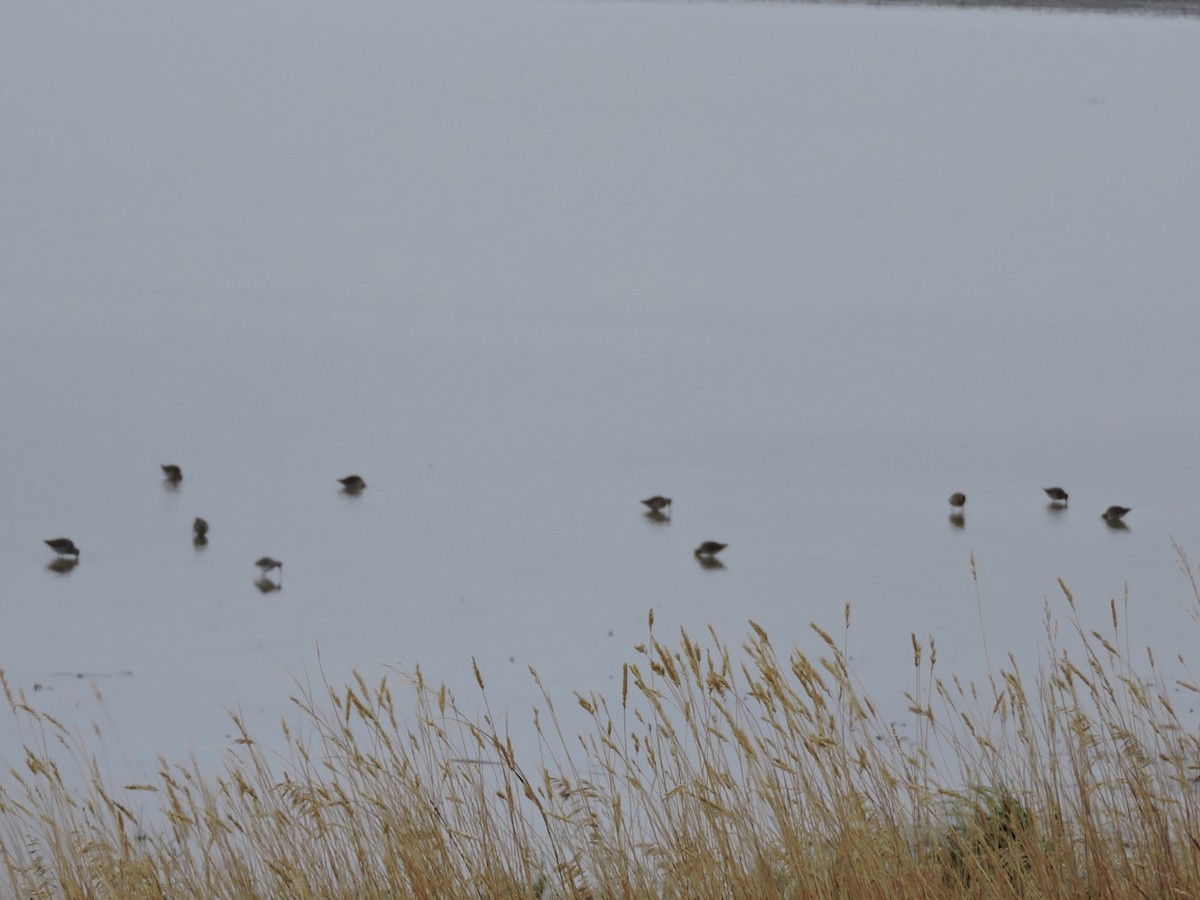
x,y
715,772
1173,8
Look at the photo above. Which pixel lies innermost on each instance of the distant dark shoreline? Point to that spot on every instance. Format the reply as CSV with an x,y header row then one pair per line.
x,y
1178,8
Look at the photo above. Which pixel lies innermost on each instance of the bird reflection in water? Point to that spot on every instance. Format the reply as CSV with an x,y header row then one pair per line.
x,y
266,563
706,554
1113,515
653,515
199,533
658,503
958,502
267,586
62,565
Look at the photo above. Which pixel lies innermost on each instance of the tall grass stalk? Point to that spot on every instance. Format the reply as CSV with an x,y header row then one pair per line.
x,y
717,771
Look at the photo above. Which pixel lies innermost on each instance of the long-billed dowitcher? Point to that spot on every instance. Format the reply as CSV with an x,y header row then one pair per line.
x,y
1114,513
199,529
1057,494
267,564
709,548
63,547
958,500
352,484
173,474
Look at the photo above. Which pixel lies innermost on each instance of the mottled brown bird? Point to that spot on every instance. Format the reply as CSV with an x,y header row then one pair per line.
x,y
174,473
352,483
1115,513
199,528
267,564
63,547
958,500
1057,494
657,503
710,548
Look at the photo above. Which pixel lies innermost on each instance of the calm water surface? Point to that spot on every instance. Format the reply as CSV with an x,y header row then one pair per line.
x,y
805,270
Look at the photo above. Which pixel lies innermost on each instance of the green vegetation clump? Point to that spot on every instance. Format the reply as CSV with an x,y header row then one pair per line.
x,y
714,773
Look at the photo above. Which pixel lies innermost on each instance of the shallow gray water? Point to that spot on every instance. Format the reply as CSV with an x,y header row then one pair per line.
x,y
805,270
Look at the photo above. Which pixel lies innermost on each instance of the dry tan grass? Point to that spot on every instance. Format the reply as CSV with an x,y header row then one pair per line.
x,y
715,773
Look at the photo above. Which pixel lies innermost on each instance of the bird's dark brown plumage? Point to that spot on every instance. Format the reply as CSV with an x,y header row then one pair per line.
x,y
63,547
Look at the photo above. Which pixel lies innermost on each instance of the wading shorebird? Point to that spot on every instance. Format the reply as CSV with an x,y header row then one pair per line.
x,y
1057,494
1114,513
657,503
709,548
958,501
267,564
352,484
173,474
199,529
63,547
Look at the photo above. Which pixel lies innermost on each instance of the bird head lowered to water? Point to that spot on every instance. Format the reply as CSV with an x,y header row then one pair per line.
x,y
63,547
174,474
352,483
1057,494
1115,513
